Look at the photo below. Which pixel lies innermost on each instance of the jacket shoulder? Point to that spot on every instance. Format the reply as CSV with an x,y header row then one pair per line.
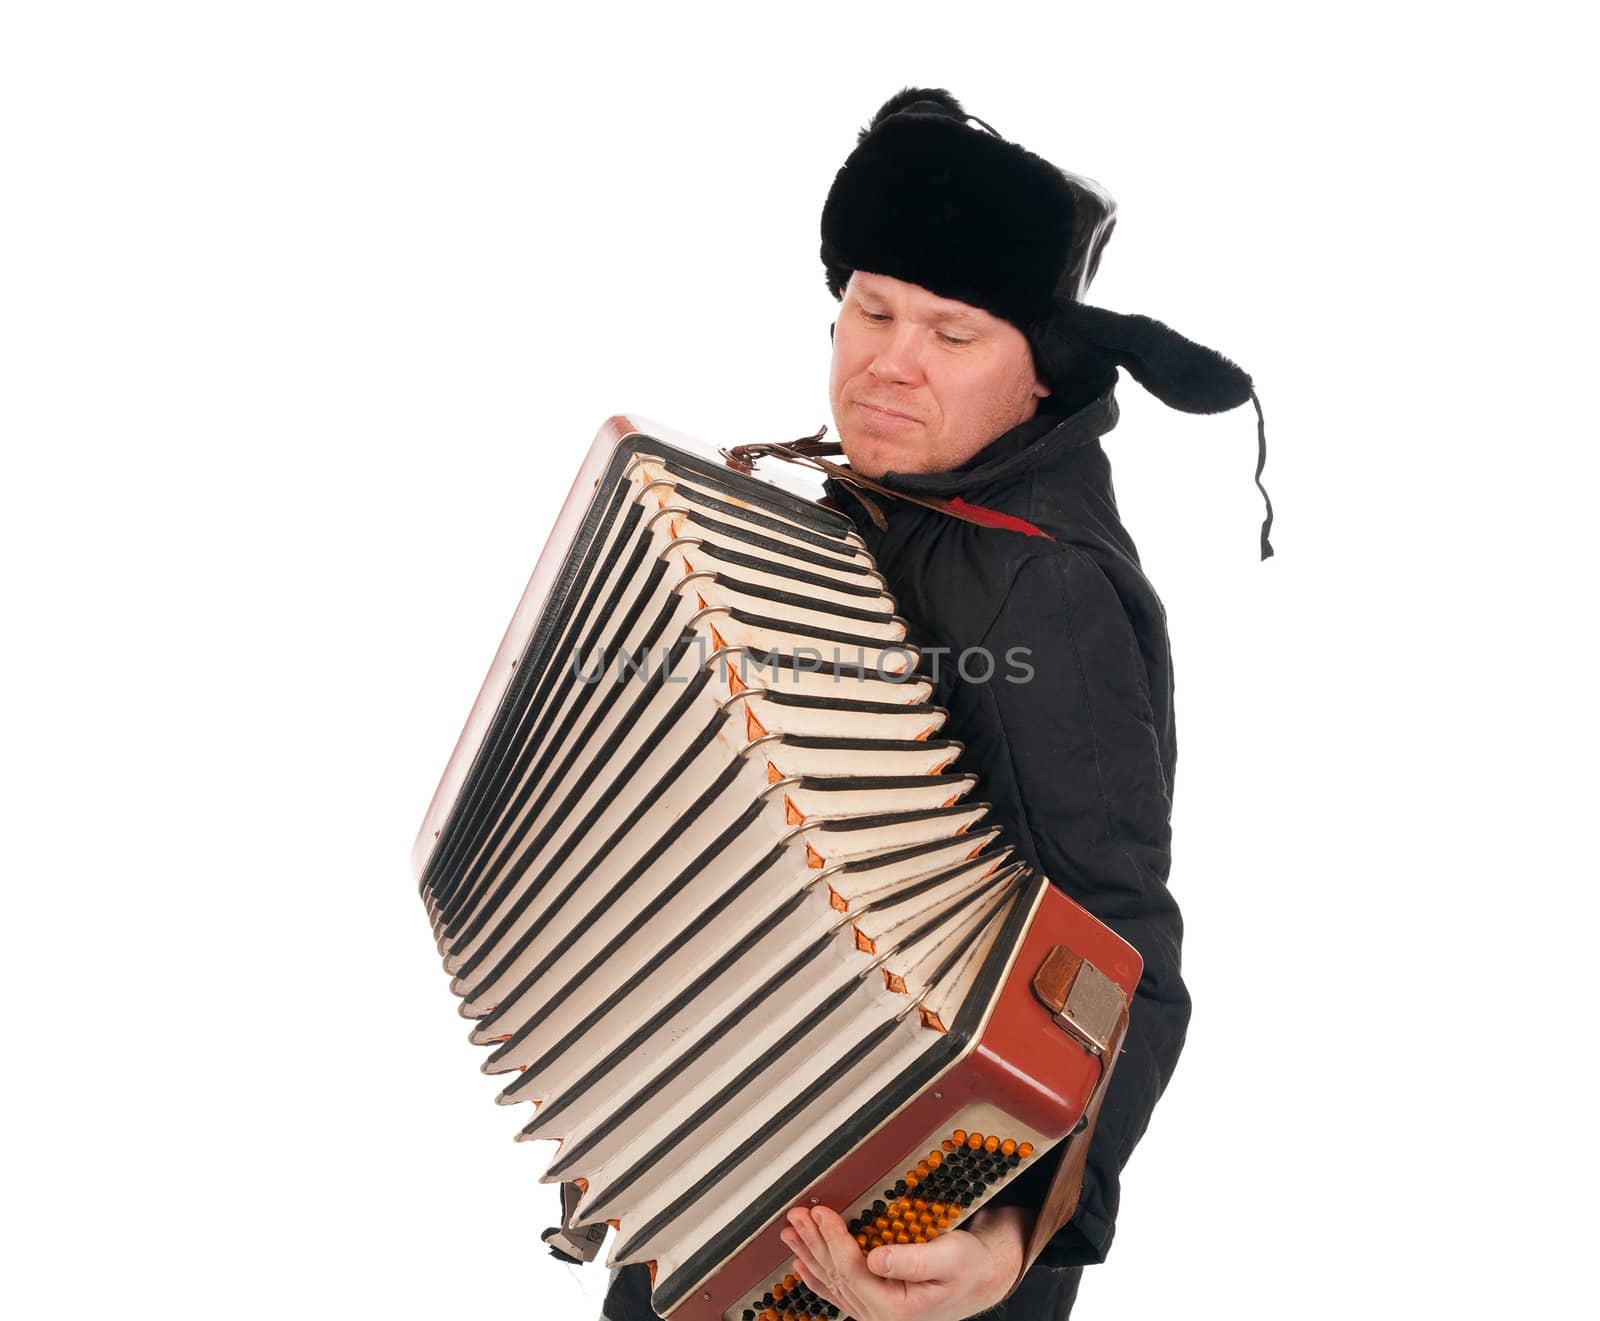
x,y
1039,570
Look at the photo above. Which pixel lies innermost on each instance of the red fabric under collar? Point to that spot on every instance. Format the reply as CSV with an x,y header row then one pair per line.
x,y
994,518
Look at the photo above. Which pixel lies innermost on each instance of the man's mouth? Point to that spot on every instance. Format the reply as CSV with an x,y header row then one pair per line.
x,y
885,412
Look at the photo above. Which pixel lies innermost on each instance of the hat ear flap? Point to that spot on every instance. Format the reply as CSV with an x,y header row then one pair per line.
x,y
1075,370
1182,374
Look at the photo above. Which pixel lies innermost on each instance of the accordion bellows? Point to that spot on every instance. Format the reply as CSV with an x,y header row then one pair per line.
x,y
709,885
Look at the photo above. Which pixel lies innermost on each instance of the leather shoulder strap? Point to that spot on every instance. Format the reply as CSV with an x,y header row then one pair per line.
x,y
809,452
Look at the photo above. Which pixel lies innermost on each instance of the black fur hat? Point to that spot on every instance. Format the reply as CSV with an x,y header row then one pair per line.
x,y
957,210
928,198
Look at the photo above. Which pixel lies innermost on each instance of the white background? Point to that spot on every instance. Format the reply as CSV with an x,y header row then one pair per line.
x,y
308,314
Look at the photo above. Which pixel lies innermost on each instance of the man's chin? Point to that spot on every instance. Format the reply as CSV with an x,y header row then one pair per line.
x,y
868,458
872,456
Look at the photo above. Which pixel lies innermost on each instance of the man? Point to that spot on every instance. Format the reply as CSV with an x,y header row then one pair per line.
x,y
969,378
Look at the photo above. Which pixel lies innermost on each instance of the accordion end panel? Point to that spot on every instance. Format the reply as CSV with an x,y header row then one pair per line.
x,y
1020,1089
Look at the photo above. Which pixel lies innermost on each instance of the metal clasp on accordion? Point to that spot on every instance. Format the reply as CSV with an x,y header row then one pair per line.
x,y
1084,1002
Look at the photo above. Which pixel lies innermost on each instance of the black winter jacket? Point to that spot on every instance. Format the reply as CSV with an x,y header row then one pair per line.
x,y
1078,758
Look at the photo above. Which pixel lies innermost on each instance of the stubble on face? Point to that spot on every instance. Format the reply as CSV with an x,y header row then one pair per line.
x,y
921,383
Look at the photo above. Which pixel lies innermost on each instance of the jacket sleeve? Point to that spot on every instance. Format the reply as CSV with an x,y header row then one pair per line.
x,y
1083,755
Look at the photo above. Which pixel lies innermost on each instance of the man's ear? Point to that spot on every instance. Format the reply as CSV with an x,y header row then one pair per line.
x,y
1041,390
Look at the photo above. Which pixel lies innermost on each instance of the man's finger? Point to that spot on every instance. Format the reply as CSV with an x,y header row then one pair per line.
x,y
825,1279
813,1280
841,1245
812,1257
801,1226
845,1262
939,1260
804,1259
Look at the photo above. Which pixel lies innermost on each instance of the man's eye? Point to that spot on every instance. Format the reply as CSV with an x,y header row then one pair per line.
x,y
874,316
953,339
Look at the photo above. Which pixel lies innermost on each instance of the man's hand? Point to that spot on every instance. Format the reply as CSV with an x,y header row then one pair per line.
x,y
955,1276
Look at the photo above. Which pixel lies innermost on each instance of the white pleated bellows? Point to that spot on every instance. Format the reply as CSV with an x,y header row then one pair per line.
x,y
710,880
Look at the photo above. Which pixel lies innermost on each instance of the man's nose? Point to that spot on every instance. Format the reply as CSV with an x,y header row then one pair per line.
x,y
899,355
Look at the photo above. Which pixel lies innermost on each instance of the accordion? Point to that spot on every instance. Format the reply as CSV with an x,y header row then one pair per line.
x,y
711,886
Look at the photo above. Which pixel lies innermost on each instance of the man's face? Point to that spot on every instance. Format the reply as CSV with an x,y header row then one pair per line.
x,y
922,383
